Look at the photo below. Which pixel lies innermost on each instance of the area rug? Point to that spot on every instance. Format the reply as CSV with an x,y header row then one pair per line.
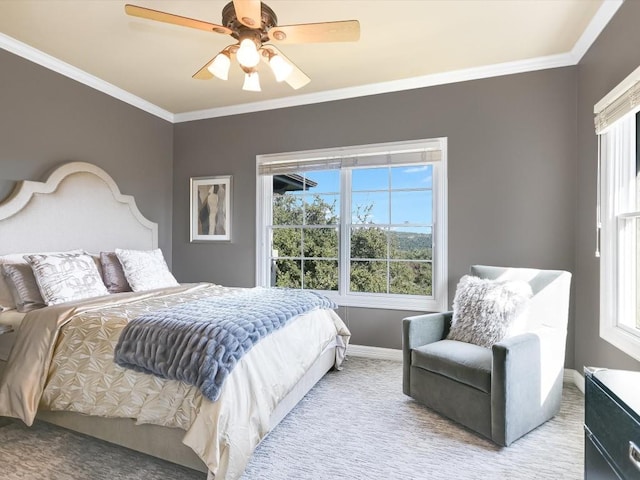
x,y
355,424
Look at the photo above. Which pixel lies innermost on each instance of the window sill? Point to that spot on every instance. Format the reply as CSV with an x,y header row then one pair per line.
x,y
418,304
622,339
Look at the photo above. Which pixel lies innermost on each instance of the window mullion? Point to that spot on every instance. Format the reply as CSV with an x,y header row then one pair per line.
x,y
388,230
264,222
344,261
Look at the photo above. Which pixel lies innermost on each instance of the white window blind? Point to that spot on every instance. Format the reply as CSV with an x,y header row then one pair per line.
x,y
621,101
399,153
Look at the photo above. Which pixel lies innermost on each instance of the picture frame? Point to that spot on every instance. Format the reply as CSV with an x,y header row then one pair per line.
x,y
210,219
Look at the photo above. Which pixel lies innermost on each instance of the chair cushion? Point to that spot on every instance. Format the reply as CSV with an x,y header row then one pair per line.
x,y
464,362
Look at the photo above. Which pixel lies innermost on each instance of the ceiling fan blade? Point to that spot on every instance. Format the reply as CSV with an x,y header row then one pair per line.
x,y
204,73
249,12
159,16
343,31
297,78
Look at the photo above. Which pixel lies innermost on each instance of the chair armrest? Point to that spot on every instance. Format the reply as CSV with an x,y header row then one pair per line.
x,y
421,330
526,382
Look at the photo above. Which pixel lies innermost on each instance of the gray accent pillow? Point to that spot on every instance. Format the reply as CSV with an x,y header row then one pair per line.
x,y
484,310
23,286
113,274
145,269
66,277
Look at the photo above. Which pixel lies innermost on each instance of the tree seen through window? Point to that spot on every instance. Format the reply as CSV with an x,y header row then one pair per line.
x,y
389,233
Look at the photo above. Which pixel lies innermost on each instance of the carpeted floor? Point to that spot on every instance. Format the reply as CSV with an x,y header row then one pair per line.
x,y
355,424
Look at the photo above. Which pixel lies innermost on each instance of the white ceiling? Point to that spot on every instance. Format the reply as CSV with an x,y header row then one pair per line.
x,y
403,44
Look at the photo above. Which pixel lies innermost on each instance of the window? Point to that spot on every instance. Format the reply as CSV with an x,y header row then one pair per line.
x,y
366,225
618,126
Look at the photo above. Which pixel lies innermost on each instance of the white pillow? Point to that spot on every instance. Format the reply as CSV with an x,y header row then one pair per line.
x,y
484,311
6,299
145,269
65,277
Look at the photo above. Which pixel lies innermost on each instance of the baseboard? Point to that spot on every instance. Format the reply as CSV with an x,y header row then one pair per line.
x,y
375,352
570,375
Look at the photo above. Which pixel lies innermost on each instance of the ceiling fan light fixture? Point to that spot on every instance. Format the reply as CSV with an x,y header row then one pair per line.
x,y
247,54
220,66
252,23
281,69
252,82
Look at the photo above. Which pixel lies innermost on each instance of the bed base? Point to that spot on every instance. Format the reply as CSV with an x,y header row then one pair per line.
x,y
166,442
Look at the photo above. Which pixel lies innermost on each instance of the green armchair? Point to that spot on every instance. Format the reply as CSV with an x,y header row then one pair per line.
x,y
504,392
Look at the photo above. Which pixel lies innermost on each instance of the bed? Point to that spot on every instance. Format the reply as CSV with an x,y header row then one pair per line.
x,y
61,370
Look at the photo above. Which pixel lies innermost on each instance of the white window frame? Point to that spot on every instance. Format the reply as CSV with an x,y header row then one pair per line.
x,y
439,299
615,124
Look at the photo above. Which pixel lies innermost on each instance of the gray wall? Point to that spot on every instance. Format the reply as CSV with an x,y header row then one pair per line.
x,y
613,56
512,164
47,119
512,167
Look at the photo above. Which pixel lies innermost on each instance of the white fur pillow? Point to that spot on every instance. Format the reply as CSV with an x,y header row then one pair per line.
x,y
485,310
145,269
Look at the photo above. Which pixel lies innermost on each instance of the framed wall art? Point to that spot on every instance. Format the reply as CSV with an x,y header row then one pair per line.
x,y
211,209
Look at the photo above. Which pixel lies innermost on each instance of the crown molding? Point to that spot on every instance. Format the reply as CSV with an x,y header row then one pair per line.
x,y
600,20
602,17
23,50
476,73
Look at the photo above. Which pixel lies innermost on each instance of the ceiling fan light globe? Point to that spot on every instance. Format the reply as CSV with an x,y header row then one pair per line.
x,y
220,66
281,69
247,54
251,82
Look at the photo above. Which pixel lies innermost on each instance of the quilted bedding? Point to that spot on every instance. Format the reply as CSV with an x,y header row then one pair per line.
x,y
63,360
200,342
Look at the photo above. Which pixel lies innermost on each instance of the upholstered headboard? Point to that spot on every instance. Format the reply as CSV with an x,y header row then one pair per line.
x,y
78,206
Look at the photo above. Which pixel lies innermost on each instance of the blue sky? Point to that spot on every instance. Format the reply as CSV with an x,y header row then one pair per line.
x,y
370,185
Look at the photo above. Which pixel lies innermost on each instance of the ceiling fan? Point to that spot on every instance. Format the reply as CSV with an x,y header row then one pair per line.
x,y
253,24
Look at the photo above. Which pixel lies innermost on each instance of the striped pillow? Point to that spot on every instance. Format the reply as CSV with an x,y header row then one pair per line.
x,y
23,286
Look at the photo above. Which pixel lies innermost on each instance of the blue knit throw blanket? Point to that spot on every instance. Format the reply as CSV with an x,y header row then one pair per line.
x,y
200,342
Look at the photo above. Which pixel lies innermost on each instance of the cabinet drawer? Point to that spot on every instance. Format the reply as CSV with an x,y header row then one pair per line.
x,y
613,429
596,466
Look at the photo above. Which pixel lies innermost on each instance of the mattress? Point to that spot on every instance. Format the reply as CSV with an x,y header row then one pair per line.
x,y
12,318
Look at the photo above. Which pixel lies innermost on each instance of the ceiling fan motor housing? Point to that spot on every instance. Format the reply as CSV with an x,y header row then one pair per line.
x,y
268,21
